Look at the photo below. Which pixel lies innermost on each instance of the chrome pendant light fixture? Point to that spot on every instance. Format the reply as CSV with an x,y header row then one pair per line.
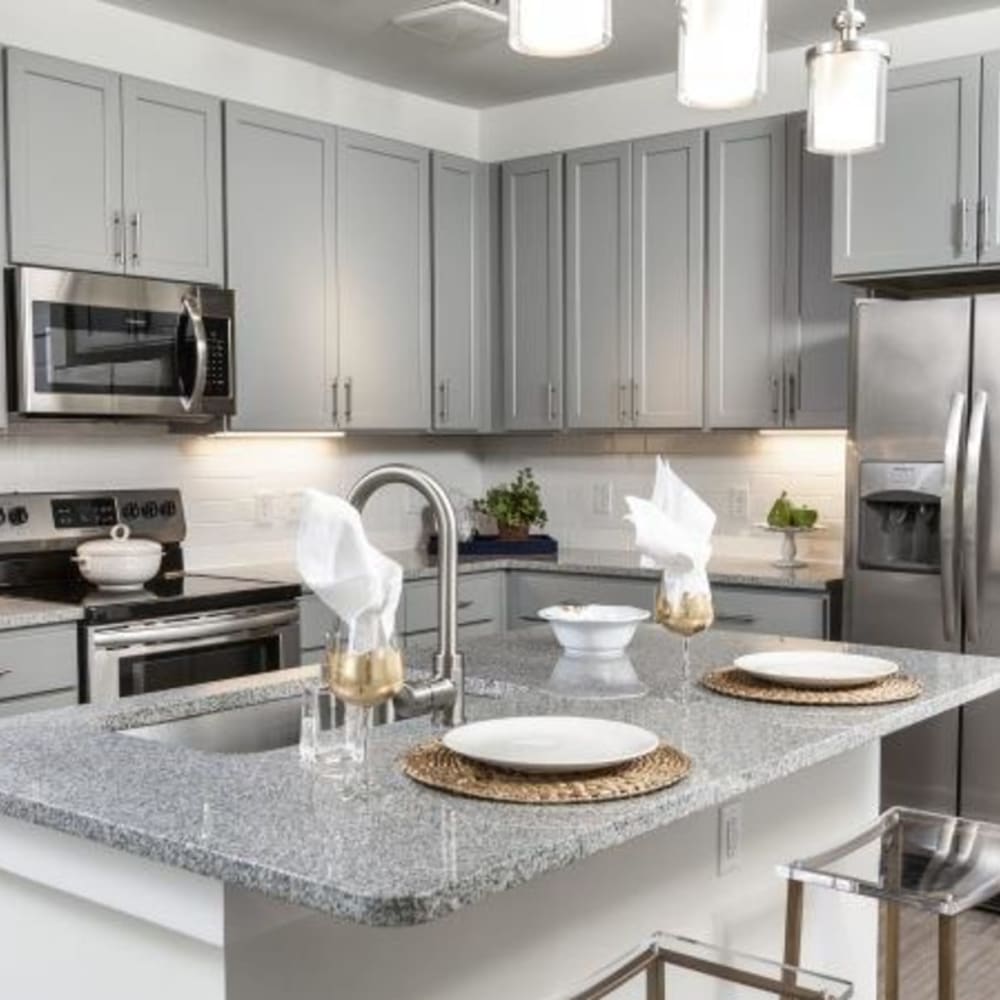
x,y
848,79
558,29
722,52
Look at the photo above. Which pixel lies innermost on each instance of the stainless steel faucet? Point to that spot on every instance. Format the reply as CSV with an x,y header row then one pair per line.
x,y
444,693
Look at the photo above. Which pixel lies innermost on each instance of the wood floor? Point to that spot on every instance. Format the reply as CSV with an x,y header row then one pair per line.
x,y
978,956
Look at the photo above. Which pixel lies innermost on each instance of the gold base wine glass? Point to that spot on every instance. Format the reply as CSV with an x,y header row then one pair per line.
x,y
685,614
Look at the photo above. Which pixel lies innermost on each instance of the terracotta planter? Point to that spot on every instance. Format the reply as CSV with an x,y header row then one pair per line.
x,y
513,533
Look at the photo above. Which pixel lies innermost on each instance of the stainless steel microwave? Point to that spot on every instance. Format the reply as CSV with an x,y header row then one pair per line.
x,y
111,346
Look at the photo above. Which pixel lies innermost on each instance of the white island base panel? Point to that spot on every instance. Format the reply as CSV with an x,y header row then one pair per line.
x,y
82,920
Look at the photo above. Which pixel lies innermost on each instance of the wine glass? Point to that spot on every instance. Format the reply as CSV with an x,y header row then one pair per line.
x,y
363,669
685,614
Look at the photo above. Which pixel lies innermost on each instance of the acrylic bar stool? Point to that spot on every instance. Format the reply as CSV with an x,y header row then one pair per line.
x,y
693,970
938,864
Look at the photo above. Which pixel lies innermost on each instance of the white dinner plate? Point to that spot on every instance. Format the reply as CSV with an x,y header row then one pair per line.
x,y
551,744
816,669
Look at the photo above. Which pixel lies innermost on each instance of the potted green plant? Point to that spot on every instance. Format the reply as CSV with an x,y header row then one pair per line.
x,y
516,507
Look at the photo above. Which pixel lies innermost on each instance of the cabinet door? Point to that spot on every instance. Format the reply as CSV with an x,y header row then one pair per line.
x,y
819,309
598,287
383,246
746,209
280,183
173,182
533,293
65,184
668,268
911,205
461,293
989,182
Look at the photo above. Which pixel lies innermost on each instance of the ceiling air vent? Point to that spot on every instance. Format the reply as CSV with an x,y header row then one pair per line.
x,y
455,22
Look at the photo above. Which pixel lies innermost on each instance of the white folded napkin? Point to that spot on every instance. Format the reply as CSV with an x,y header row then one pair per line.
x,y
342,568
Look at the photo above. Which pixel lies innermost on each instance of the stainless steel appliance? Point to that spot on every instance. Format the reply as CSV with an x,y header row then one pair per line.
x,y
923,549
181,628
111,346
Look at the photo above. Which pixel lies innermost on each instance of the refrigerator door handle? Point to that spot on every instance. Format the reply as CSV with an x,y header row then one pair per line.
x,y
970,513
949,515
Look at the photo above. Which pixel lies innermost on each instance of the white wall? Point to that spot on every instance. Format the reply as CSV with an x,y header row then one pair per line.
x,y
649,106
128,42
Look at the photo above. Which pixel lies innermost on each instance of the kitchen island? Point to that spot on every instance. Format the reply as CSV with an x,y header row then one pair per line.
x,y
242,876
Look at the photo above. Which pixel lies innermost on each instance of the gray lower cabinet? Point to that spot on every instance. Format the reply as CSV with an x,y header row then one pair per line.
x,y
172,182
384,277
281,212
912,206
481,602
746,254
532,232
38,668
112,174
460,209
818,308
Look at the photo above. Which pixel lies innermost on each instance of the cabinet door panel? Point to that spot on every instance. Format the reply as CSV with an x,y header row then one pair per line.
x,y
668,267
911,205
746,273
819,309
989,230
461,219
173,182
533,293
598,292
280,182
383,247
65,163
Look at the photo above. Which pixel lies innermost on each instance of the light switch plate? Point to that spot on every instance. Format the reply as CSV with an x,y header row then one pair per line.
x,y
603,499
730,836
738,506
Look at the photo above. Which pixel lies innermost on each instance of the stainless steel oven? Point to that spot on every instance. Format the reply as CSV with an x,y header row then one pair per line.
x,y
155,654
113,346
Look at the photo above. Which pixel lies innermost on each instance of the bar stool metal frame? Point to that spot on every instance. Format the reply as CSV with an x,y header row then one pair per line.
x,y
941,865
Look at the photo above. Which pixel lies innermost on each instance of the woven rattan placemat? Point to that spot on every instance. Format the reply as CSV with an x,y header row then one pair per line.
x,y
737,683
435,765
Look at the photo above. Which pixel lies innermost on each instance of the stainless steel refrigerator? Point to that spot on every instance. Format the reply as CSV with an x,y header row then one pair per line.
x,y
923,525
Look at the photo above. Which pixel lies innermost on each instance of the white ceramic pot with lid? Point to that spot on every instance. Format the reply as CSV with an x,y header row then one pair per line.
x,y
119,562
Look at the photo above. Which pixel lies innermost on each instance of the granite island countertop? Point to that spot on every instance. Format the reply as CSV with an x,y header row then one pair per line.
x,y
411,854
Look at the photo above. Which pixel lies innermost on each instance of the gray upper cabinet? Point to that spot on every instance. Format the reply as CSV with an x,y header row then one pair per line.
x,y
668,283
281,190
460,206
818,308
598,287
65,158
746,256
532,202
172,182
383,248
989,171
912,206
112,174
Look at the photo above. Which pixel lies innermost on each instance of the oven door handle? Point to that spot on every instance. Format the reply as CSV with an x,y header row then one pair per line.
x,y
200,628
192,403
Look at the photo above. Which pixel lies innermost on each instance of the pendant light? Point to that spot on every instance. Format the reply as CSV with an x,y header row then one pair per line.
x,y
848,79
557,29
722,52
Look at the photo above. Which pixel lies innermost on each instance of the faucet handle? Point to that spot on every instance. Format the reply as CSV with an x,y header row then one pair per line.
x,y
425,697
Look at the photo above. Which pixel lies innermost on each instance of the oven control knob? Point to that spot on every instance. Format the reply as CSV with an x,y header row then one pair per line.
x,y
150,509
18,516
130,511
168,508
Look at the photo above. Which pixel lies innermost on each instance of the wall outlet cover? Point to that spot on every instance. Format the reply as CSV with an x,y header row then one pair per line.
x,y
730,837
603,499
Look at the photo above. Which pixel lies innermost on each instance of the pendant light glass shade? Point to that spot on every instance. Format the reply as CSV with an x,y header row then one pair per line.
x,y
557,29
848,79
722,52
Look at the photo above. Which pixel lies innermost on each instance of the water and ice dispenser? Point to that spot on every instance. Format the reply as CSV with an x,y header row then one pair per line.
x,y
900,516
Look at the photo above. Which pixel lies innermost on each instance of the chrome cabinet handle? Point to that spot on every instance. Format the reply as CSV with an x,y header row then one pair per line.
x,y
335,393
775,398
444,411
635,401
193,308
623,408
118,237
534,619
949,514
465,605
551,390
792,410
985,240
970,513
136,226
735,619
348,399
5,672
964,231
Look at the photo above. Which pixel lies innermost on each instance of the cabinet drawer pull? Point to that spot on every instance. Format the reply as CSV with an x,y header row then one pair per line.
x,y
335,392
736,619
465,605
4,672
532,618
551,390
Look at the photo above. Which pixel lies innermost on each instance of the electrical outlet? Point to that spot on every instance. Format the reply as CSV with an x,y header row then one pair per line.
x,y
602,500
730,837
739,504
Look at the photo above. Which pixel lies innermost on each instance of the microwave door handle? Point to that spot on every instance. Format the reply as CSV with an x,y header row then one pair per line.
x,y
949,515
192,403
970,513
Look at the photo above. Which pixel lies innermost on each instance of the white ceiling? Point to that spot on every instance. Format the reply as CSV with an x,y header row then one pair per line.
x,y
355,37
